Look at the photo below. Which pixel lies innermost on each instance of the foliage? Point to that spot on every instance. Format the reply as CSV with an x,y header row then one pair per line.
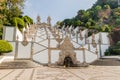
x,y
11,14
5,47
105,28
116,13
117,21
103,16
1,30
27,19
11,9
113,3
98,8
116,48
18,22
107,53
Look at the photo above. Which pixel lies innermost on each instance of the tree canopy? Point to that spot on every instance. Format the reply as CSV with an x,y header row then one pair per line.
x,y
104,15
11,14
113,3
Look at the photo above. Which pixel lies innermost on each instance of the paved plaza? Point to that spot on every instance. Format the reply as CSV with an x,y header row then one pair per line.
x,y
47,73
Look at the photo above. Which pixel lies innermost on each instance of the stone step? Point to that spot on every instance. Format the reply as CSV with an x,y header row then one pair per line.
x,y
19,64
107,62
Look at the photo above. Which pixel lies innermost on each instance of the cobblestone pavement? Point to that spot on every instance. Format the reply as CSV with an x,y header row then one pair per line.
x,y
47,73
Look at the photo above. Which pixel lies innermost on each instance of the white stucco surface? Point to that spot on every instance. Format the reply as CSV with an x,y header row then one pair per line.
x,y
24,52
19,35
9,33
79,56
54,56
41,57
90,56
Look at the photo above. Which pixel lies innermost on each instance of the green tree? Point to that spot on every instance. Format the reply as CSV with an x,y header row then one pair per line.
x,y
116,13
67,22
11,14
18,22
117,21
88,24
116,48
5,47
106,28
113,3
98,8
11,9
78,22
106,7
27,19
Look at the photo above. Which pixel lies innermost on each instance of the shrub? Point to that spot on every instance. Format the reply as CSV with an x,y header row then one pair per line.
x,y
106,28
115,50
107,53
5,47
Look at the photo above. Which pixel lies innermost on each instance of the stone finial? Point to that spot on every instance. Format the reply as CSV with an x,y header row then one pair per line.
x,y
81,37
93,40
32,39
96,50
38,19
49,20
73,33
93,36
25,42
100,37
67,29
17,38
25,35
58,39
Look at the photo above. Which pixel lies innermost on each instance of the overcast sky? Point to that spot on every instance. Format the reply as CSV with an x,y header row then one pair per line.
x,y
57,9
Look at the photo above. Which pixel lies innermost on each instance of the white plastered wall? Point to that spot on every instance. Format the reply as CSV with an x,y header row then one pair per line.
x,y
9,33
41,57
54,56
19,35
24,52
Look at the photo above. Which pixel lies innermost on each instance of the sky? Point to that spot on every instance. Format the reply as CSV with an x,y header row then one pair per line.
x,y
58,10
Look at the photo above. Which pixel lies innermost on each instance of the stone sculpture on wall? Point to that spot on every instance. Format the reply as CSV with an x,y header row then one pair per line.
x,y
67,51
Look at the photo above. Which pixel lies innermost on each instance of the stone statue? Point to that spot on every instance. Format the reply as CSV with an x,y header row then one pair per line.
x,y
49,20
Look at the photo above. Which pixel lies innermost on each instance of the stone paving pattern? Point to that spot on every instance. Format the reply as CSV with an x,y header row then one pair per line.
x,y
47,73
35,71
18,64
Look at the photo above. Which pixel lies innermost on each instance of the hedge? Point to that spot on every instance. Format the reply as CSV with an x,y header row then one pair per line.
x,y
5,47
